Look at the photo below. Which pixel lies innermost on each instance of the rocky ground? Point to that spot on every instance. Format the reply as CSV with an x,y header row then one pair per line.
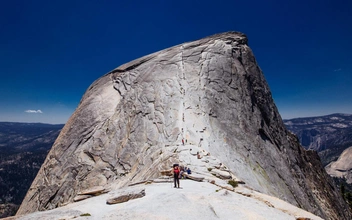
x,y
210,197
195,200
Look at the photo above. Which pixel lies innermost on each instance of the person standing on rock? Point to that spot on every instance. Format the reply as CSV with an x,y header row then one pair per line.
x,y
176,172
183,141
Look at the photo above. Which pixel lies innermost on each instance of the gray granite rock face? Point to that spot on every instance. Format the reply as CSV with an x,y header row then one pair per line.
x,y
211,93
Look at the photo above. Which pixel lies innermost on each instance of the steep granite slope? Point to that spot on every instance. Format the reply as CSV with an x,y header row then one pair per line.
x,y
130,123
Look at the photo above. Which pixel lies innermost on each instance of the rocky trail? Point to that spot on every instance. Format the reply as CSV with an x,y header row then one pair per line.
x,y
211,198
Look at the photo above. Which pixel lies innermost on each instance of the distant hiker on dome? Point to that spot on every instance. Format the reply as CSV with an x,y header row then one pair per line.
x,y
176,172
182,170
183,141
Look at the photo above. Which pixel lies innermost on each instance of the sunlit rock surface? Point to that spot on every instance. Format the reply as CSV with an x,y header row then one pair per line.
x,y
342,168
211,93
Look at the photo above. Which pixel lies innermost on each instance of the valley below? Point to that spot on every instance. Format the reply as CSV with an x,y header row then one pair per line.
x,y
23,148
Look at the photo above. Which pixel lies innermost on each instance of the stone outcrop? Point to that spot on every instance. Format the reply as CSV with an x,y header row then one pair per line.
x,y
342,168
88,193
126,195
221,174
81,197
96,190
130,122
194,177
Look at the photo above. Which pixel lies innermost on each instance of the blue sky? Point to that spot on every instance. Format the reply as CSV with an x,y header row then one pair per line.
x,y
51,51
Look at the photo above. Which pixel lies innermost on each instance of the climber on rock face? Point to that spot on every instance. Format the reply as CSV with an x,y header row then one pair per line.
x,y
198,155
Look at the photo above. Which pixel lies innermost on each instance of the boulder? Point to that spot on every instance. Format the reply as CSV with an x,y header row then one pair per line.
x,y
81,197
166,172
221,174
194,177
126,195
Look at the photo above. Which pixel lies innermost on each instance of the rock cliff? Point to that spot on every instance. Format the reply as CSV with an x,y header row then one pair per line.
x,y
342,168
211,93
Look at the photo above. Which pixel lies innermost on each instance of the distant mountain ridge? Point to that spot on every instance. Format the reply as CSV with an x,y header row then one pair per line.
x,y
23,148
17,135
330,135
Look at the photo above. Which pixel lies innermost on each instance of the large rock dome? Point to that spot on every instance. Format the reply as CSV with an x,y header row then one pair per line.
x,y
211,93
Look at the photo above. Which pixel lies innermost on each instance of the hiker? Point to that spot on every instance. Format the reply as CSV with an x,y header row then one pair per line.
x,y
198,155
176,171
220,167
182,170
183,142
188,171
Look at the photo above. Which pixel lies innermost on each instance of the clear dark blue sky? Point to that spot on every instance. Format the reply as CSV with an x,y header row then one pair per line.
x,y
51,51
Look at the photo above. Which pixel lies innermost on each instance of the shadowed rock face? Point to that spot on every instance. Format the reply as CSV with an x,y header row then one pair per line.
x,y
210,92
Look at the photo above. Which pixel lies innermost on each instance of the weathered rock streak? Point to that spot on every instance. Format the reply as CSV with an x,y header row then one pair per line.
x,y
211,92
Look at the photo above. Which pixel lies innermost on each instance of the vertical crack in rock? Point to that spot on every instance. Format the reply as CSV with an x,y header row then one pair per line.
x,y
183,93
51,199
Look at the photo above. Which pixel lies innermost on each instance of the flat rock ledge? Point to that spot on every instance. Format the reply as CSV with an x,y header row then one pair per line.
x,y
194,177
88,193
221,174
93,191
81,197
126,195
